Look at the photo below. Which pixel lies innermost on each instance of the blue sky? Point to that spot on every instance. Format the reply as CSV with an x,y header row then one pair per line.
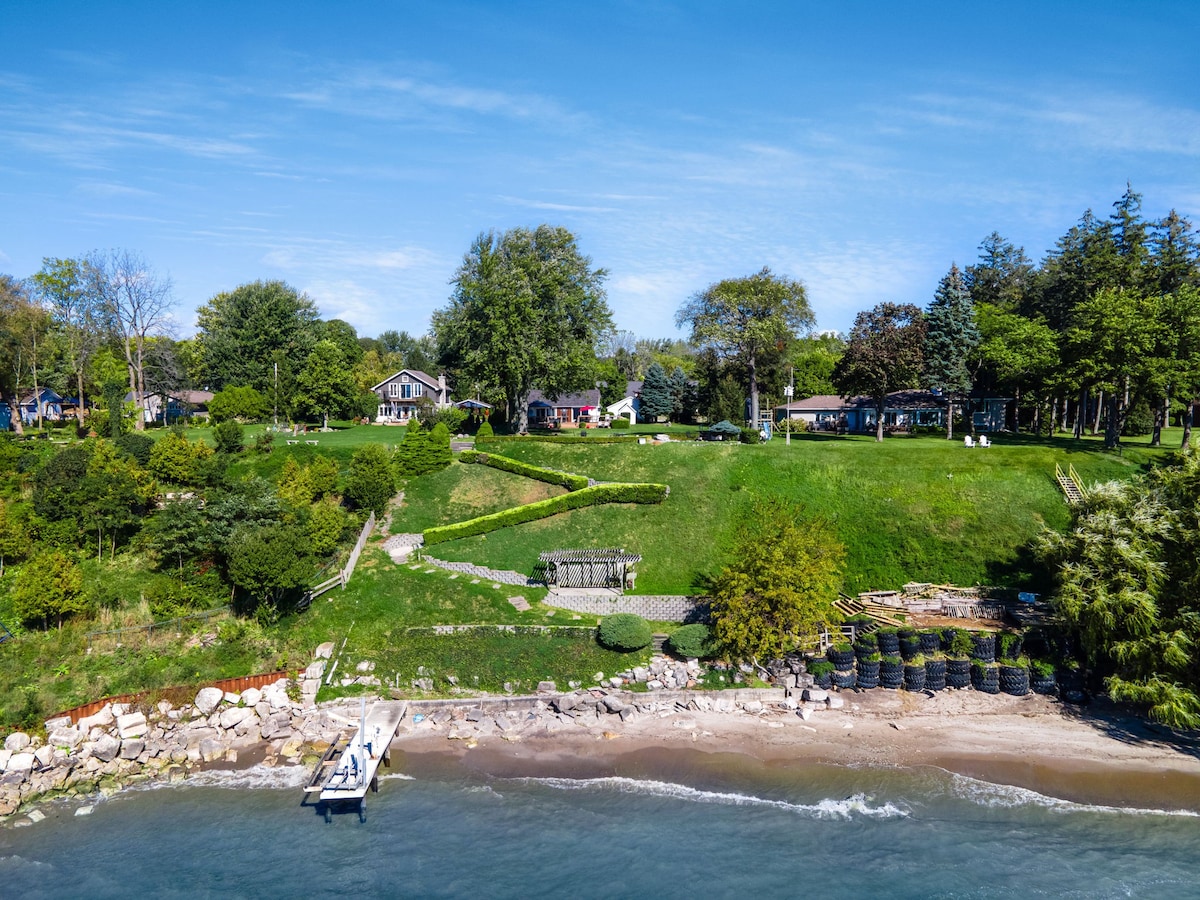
x,y
859,147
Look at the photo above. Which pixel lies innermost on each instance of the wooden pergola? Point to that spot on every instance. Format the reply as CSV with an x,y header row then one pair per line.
x,y
587,568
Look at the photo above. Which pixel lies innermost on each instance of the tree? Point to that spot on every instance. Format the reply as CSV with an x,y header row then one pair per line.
x,y
1003,276
371,482
13,299
50,586
175,533
748,319
177,460
14,537
656,398
67,289
1018,354
528,310
270,563
884,354
1176,255
244,333
780,588
813,359
345,337
138,302
242,403
951,338
325,385
229,437
683,396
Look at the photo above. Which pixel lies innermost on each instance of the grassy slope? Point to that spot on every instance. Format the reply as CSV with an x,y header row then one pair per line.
x,y
921,509
461,492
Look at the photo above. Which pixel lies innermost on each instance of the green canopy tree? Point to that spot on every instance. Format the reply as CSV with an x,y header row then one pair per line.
x,y
748,319
50,587
951,338
372,482
238,402
325,386
1019,355
884,354
786,572
66,289
175,533
527,311
245,332
270,564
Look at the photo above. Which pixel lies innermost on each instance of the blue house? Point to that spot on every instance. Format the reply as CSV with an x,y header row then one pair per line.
x,y
5,417
48,402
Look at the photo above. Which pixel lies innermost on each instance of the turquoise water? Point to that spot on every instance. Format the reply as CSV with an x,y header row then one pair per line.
x,y
450,832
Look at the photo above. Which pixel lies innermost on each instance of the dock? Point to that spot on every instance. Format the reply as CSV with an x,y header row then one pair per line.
x,y
350,766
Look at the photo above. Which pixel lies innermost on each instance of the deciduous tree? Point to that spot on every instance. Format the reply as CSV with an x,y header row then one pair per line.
x,y
527,311
748,319
325,385
884,354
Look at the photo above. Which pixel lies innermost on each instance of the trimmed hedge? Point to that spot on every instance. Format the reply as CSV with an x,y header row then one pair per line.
x,y
692,642
538,473
624,632
591,496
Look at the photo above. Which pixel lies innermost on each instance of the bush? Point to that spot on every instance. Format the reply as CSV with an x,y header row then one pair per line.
x,y
176,460
229,435
820,667
370,484
620,423
538,473
264,443
244,403
624,632
692,642
600,493
485,431
136,446
749,436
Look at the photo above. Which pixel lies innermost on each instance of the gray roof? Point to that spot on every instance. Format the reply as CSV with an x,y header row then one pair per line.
x,y
574,401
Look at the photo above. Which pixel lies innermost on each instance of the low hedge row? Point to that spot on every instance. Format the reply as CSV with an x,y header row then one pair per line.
x,y
504,463
588,496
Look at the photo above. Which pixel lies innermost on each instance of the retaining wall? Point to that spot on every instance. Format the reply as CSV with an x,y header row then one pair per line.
x,y
658,607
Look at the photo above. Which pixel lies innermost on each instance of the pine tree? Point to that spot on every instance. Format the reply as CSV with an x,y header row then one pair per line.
x,y
656,394
681,396
951,338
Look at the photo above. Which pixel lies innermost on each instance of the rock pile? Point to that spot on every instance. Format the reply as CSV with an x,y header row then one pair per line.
x,y
121,745
663,673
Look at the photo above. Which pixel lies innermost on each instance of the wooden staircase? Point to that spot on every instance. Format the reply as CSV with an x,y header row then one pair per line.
x,y
1070,483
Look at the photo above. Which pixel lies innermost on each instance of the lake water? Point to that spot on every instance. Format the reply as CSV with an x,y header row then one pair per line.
x,y
445,830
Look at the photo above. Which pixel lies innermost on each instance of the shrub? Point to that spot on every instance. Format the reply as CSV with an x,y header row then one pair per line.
x,y
176,460
136,446
820,667
264,443
692,642
624,632
620,423
243,403
600,493
229,435
1041,668
749,436
371,483
485,431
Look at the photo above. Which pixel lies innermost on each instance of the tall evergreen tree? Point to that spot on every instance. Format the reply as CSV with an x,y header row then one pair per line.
x,y
951,339
1003,276
1176,258
656,394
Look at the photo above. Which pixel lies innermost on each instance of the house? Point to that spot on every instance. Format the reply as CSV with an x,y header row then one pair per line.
x,y
45,402
400,395
903,410
179,405
565,410
627,407
5,417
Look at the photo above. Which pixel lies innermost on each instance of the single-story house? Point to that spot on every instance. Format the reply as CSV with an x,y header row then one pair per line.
x,y
903,409
400,395
48,402
627,407
567,409
180,405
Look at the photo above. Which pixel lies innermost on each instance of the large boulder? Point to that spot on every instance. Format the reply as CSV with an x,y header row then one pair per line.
x,y
132,749
101,719
105,748
131,725
231,718
324,651
44,756
16,742
20,763
208,699
65,737
251,696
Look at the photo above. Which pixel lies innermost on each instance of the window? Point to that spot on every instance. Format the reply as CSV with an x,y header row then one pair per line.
x,y
393,389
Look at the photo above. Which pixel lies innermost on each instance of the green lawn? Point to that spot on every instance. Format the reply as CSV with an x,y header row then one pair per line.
x,y
461,492
909,509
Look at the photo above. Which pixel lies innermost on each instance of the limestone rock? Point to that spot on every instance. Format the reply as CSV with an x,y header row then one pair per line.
x,y
208,699
16,742
20,763
315,669
231,718
233,698
131,725
132,749
44,756
211,749
105,748
58,722
66,737
546,687
101,719
816,695
251,697
324,651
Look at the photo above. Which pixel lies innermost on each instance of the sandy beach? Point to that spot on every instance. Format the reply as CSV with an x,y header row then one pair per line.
x,y
1094,754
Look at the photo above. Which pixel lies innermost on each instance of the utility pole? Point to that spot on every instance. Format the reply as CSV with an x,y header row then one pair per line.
x,y
275,405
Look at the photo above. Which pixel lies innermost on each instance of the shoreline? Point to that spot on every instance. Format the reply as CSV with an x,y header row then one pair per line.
x,y
1097,756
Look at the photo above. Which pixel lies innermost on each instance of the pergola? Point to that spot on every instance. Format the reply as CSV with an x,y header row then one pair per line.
x,y
587,568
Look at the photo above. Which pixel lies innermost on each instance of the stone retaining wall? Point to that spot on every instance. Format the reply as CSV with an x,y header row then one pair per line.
x,y
659,607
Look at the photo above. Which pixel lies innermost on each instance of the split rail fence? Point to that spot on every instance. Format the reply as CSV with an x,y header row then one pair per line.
x,y
342,578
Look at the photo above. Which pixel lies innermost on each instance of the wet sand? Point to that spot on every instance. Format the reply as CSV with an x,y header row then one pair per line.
x,y
1093,755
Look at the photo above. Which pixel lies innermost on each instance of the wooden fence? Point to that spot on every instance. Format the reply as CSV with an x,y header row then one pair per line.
x,y
342,578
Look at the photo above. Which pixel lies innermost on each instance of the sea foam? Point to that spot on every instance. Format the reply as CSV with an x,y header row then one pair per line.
x,y
1007,796
850,807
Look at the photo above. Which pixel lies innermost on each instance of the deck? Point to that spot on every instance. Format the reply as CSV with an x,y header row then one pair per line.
x,y
348,769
